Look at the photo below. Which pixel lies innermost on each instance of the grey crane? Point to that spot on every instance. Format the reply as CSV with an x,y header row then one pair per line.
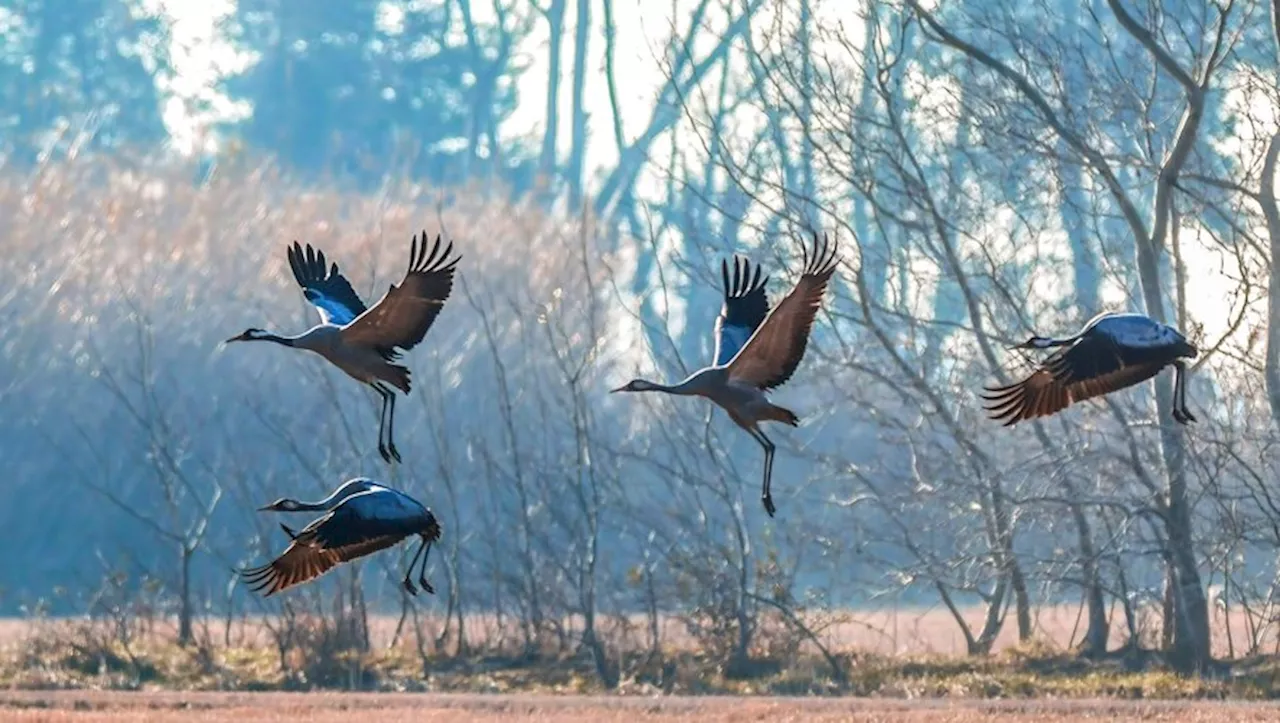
x,y
1112,351
361,517
365,342
757,350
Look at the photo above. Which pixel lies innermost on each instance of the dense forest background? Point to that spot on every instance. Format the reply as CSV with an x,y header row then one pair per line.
x,y
990,168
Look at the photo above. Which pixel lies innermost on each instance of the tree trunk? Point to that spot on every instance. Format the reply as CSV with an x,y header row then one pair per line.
x,y
808,188
185,635
1267,199
876,249
1095,637
1168,608
547,161
1073,201
578,151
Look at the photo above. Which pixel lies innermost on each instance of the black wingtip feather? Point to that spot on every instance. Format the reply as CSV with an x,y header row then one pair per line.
x,y
309,265
824,260
258,579
747,278
420,261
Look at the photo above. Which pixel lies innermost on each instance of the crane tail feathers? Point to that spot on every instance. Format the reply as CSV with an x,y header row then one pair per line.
x,y
784,415
399,377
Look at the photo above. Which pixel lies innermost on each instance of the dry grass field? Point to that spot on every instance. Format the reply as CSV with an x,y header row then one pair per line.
x,y
117,707
889,632
885,656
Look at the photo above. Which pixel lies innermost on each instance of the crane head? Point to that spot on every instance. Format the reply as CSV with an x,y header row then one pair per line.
x,y
635,385
283,504
249,335
1036,342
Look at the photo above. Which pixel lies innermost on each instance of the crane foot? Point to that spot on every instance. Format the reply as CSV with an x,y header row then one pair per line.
x,y
389,454
768,504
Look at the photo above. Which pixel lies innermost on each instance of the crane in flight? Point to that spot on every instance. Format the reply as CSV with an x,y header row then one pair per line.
x,y
757,349
1113,351
365,342
361,517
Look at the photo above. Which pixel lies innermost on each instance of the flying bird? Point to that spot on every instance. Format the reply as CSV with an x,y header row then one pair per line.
x,y
1112,351
757,350
365,342
361,517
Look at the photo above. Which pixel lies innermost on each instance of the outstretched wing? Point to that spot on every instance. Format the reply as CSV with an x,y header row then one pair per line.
x,y
302,562
403,315
324,286
773,352
745,306
1089,368
361,525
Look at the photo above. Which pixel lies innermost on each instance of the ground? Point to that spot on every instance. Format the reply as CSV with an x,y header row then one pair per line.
x,y
98,706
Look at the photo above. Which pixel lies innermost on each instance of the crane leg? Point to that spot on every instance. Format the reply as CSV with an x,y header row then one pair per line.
x,y
382,420
1181,413
1177,395
406,583
391,425
766,493
422,571
1186,411
386,447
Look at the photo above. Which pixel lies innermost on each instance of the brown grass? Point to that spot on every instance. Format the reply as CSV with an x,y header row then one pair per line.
x,y
896,632
59,654
87,706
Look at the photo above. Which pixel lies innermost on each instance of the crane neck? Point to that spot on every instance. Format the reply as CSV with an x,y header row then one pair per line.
x,y
684,388
1049,342
321,506
268,336
279,339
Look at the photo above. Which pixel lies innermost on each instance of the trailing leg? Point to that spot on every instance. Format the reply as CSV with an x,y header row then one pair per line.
x,y
1186,410
1181,413
408,585
766,493
386,446
391,423
422,572
382,421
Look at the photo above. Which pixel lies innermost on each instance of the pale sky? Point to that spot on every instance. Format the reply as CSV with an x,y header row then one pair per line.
x,y
201,57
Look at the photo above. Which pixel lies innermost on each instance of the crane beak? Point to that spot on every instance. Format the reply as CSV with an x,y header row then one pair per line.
x,y
622,388
267,508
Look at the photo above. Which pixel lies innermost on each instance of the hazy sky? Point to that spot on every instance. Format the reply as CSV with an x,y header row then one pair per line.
x,y
201,56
